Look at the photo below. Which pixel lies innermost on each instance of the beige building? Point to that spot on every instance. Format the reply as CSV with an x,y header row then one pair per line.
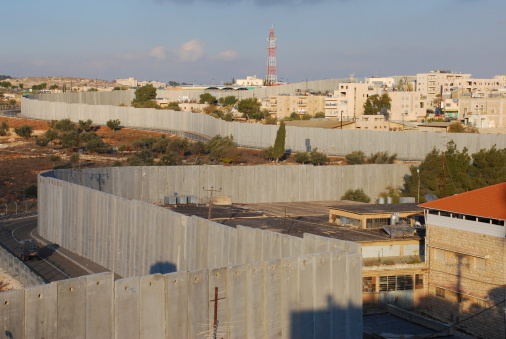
x,y
283,105
466,254
487,112
347,102
251,80
130,82
408,106
435,83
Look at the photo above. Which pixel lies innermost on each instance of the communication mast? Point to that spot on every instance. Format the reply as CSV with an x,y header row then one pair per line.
x,y
272,72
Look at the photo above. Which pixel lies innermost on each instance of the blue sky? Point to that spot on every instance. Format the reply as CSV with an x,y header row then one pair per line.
x,y
211,41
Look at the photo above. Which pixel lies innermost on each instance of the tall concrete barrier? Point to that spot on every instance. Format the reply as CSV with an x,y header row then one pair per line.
x,y
178,270
248,184
407,145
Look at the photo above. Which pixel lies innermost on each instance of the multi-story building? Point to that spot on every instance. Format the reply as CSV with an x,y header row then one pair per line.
x,y
130,82
284,105
347,102
436,83
251,80
483,112
466,255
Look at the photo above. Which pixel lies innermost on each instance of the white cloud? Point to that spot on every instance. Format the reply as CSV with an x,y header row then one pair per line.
x,y
159,53
227,55
190,51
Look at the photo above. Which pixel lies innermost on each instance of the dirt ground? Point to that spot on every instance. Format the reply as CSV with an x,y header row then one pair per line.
x,y
7,282
21,160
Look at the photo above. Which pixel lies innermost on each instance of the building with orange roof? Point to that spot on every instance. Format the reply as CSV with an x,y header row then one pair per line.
x,y
466,258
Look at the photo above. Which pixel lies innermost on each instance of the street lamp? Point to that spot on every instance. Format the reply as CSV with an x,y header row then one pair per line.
x,y
418,194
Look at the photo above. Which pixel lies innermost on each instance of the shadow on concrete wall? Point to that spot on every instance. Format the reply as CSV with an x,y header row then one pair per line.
x,y
162,267
331,322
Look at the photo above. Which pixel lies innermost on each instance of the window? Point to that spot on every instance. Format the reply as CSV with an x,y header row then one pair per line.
x,y
480,263
396,283
439,255
440,292
369,284
418,281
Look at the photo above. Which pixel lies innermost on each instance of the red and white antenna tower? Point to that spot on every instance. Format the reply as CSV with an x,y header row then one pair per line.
x,y
272,72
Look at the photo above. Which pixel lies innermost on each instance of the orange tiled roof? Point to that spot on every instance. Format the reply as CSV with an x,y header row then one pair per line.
x,y
487,202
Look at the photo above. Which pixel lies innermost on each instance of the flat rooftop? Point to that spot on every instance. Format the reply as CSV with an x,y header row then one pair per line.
x,y
294,218
379,208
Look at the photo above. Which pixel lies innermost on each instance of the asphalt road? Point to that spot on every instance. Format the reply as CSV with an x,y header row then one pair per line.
x,y
55,263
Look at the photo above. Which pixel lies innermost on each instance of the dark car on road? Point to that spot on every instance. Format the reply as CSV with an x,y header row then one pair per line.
x,y
29,249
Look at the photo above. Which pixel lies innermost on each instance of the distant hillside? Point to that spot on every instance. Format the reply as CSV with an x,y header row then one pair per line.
x,y
28,82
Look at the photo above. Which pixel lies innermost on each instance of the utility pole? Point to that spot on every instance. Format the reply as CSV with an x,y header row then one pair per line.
x,y
212,190
215,324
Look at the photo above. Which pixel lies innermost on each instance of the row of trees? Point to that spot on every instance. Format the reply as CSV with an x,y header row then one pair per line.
x,y
445,173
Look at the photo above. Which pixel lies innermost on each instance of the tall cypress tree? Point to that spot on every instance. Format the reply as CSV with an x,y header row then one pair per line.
x,y
279,144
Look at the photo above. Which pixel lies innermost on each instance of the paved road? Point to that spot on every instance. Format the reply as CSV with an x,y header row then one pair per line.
x,y
56,263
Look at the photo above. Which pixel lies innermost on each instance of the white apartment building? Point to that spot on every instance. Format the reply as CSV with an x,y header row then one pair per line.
x,y
437,82
251,80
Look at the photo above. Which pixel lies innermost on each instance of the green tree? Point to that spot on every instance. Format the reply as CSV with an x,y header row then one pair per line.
x,y
207,98
51,135
318,158
229,100
382,158
42,142
376,104
355,158
63,125
70,140
24,131
113,124
85,126
4,129
442,173
391,192
305,117
122,148
174,106
488,167
223,149
144,96
270,120
170,159
302,158
294,116
74,158
279,144
250,108
92,90
142,158
5,84
356,195
53,87
145,93
97,145
319,115
30,191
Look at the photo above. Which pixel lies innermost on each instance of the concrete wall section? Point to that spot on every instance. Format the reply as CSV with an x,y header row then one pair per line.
x,y
249,184
407,145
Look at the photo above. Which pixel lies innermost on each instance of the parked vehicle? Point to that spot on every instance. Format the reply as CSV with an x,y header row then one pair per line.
x,y
29,249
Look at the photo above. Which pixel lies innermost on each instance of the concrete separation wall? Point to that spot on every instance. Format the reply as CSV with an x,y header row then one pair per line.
x,y
407,145
269,284
18,270
244,184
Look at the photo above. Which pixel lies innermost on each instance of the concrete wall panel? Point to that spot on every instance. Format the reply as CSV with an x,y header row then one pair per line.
x,y
12,313
41,309
289,308
177,294
198,301
218,282
152,307
237,301
272,302
99,305
127,311
255,300
72,319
